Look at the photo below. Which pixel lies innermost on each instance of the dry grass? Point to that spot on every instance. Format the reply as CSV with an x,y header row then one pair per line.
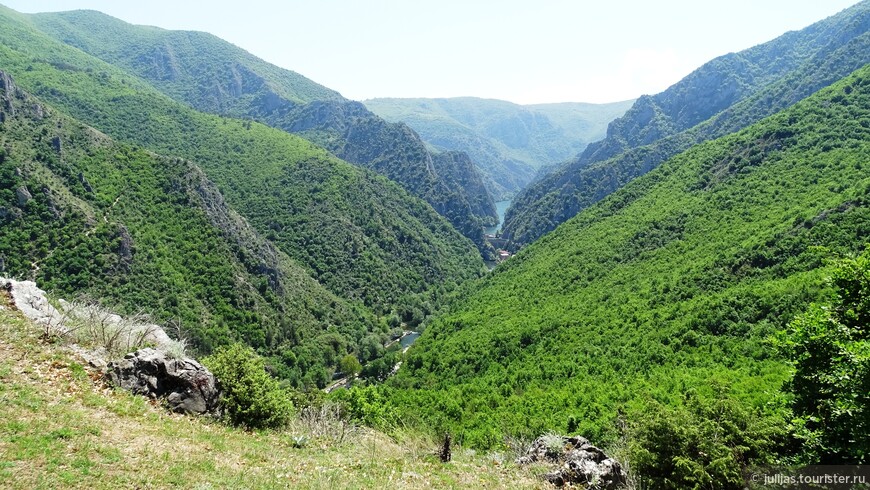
x,y
59,428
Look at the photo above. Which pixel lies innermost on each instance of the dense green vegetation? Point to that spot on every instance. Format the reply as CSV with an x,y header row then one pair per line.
x,y
658,304
508,142
358,234
81,214
350,131
829,348
723,96
214,76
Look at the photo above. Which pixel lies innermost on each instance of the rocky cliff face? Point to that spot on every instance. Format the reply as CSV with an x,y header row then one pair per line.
x,y
458,168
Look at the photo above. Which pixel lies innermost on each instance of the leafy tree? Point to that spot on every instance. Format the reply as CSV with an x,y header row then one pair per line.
x,y
349,365
829,347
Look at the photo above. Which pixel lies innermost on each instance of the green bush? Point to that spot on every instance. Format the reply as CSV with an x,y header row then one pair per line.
x,y
704,443
249,397
368,406
829,347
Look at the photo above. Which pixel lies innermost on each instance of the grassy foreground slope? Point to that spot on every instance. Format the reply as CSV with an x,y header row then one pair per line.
x,y
60,429
361,236
661,293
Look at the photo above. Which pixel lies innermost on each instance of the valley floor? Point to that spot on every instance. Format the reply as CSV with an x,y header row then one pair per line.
x,y
61,427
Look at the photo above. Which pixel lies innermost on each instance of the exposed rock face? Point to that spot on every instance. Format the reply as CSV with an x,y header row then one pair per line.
x,y
85,183
32,302
580,462
125,245
187,386
9,92
23,195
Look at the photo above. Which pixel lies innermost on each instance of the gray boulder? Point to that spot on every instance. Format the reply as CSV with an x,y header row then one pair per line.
x,y
185,384
23,195
578,462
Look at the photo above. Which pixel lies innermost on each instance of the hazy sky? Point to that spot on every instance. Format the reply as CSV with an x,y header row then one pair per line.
x,y
522,51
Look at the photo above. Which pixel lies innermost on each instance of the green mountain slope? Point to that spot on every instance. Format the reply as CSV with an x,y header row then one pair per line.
x,y
82,214
227,80
662,293
358,234
721,97
507,141
349,130
214,76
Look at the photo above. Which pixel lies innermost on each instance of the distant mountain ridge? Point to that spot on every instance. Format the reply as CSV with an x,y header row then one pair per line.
x,y
722,96
214,76
507,141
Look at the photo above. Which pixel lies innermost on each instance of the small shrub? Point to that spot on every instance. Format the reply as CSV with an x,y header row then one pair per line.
x,y
90,325
325,422
175,349
249,396
517,446
554,443
299,442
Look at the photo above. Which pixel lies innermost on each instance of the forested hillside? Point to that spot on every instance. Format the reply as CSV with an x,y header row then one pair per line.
x,y
358,234
650,313
508,142
721,97
214,76
83,215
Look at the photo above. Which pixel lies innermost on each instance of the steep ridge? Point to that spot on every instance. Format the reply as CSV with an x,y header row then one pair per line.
x,y
350,131
458,163
663,293
85,215
358,234
213,75
508,142
721,97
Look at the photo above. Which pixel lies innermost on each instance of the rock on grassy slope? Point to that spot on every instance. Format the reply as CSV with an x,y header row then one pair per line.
x,y
60,427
